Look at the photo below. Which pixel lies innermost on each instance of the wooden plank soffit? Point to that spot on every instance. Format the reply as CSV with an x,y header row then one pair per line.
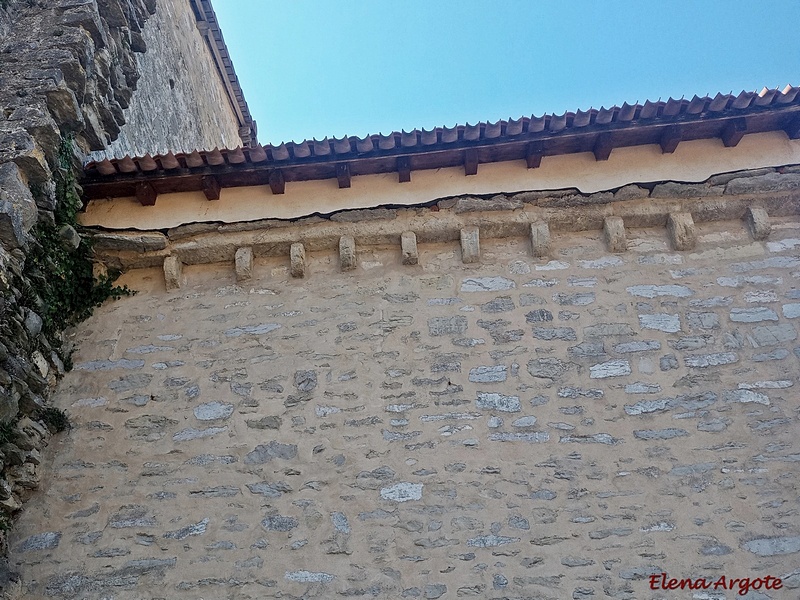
x,y
277,183
733,132
211,187
670,139
343,175
146,194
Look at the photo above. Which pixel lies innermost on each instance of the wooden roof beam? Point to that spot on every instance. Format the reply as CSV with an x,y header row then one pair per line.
x,y
603,146
793,128
470,161
277,183
670,139
403,169
733,132
146,194
211,187
533,154
343,175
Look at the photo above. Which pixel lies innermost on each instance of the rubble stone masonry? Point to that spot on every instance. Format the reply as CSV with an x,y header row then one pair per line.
x,y
517,427
76,75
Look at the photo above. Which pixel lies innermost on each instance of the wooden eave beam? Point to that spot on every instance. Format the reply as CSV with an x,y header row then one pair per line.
x,y
733,132
211,187
146,194
403,169
277,183
470,161
533,154
670,139
343,175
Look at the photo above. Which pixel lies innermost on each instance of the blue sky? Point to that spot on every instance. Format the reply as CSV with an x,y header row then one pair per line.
x,y
355,67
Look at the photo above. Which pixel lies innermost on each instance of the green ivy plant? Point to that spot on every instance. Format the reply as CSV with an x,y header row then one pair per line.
x,y
60,283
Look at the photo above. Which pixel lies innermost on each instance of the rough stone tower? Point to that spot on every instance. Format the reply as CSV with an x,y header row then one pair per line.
x,y
81,79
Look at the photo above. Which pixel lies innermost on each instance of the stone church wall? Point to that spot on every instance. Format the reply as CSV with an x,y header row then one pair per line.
x,y
562,427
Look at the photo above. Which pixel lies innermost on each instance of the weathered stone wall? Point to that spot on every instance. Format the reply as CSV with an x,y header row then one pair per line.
x,y
180,104
68,70
557,428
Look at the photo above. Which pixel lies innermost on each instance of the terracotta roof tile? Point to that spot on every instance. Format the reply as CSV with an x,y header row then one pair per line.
x,y
544,129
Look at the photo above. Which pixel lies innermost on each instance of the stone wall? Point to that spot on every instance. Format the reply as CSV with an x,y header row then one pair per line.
x,y
558,427
68,78
66,69
180,104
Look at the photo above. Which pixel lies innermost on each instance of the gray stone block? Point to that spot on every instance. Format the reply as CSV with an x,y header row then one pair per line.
x,y
347,253
297,260
614,234
771,182
470,245
540,239
681,230
758,223
447,325
365,214
244,264
18,210
473,204
408,247
672,189
173,272
136,241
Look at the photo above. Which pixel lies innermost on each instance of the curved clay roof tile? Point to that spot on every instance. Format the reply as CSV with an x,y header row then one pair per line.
x,y
236,156
194,160
322,147
215,158
386,142
126,165
788,94
537,124
582,119
280,152
168,161
558,123
428,138
105,167
697,105
302,150
627,112
365,144
514,127
672,108
472,132
743,100
147,163
449,134
649,110
604,116
407,140
342,146
257,154
720,102
493,130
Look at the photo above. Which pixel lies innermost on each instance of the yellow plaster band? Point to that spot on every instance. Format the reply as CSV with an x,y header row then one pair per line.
x,y
692,162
